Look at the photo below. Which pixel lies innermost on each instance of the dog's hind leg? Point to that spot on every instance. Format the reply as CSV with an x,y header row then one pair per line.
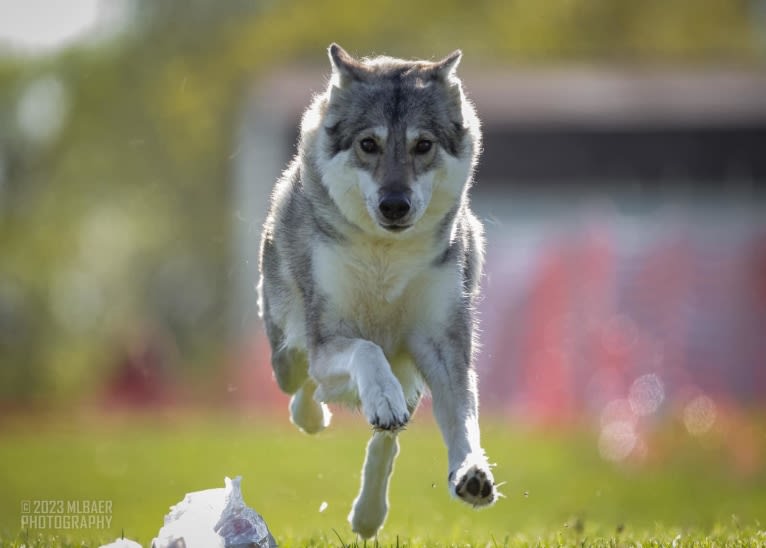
x,y
371,505
290,365
291,372
306,413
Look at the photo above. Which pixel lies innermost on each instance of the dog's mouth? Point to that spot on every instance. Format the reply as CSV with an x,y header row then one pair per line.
x,y
396,228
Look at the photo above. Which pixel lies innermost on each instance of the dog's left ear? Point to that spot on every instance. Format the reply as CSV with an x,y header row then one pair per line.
x,y
446,67
344,66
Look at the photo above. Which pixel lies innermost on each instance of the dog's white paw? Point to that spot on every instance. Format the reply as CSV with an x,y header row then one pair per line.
x,y
473,483
308,414
367,516
384,405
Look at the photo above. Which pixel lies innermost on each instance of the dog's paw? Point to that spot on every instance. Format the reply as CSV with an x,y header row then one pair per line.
x,y
474,484
384,406
308,414
367,517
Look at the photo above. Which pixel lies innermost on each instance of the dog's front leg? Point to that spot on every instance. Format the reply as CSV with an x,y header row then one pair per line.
x,y
445,363
371,505
342,366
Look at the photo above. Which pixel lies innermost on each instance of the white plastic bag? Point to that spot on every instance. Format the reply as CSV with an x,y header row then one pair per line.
x,y
214,518
122,543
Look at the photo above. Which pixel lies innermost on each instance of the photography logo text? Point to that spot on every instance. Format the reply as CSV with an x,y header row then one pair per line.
x,y
66,514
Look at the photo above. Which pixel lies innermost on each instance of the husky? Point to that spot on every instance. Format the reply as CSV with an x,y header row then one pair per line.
x,y
370,267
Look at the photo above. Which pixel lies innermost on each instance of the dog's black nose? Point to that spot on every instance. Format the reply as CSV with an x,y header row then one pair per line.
x,y
394,205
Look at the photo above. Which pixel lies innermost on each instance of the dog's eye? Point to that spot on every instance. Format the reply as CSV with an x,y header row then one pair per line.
x,y
423,146
368,145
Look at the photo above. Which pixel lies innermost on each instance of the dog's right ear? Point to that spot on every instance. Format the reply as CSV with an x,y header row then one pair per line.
x,y
344,67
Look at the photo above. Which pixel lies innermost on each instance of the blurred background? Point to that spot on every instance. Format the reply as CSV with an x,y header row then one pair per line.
x,y
621,184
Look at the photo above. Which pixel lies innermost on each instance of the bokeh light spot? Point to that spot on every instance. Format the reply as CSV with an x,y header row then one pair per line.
x,y
699,415
617,440
42,109
646,394
618,410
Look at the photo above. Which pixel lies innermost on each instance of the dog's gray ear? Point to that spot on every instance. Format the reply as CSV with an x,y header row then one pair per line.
x,y
344,66
446,67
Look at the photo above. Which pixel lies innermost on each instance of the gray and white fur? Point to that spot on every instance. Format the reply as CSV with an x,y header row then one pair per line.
x,y
370,266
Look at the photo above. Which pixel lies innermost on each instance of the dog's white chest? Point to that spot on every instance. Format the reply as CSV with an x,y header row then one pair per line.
x,y
370,286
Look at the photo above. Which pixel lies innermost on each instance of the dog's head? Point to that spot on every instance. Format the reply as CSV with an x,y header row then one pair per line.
x,y
396,140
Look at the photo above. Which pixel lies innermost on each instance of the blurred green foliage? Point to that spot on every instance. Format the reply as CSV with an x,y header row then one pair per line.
x,y
121,221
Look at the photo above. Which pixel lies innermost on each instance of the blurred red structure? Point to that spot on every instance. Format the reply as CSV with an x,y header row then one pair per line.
x,y
142,374
593,314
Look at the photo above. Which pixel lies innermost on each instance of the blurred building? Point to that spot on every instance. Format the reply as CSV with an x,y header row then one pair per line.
x,y
626,224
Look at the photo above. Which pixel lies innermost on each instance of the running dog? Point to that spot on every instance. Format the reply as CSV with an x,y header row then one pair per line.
x,y
370,266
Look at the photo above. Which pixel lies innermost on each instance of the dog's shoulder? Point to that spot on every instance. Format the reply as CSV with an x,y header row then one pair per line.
x,y
286,200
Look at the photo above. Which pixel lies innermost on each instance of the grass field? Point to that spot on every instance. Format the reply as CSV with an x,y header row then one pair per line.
x,y
558,491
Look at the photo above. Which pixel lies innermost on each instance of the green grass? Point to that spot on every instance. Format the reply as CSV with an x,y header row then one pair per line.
x,y
558,490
